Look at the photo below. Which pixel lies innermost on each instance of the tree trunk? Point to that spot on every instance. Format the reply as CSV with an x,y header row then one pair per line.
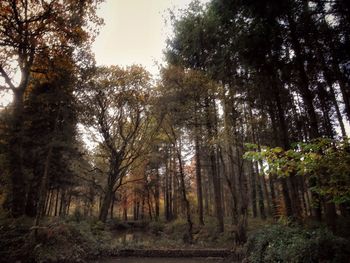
x,y
15,158
167,191
112,206
106,204
56,201
253,193
31,208
337,110
189,237
157,194
260,192
199,180
213,170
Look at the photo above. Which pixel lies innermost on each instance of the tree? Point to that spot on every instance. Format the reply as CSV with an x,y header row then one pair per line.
x,y
115,105
31,30
324,161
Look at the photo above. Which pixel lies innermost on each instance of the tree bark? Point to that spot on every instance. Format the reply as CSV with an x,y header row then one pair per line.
x,y
199,179
15,158
213,170
189,238
106,203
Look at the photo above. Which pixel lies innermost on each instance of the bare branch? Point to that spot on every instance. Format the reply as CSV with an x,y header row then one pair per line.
x,y
7,79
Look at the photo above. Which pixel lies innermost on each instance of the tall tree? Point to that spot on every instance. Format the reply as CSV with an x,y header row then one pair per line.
x,y
115,104
31,30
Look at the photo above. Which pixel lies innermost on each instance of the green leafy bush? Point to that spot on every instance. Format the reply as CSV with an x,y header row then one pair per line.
x,y
278,243
324,161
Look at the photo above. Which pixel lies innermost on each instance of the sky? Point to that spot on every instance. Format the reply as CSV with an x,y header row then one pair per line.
x,y
134,32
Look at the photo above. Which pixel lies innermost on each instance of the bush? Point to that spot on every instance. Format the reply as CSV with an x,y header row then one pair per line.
x,y
117,224
278,243
56,240
156,227
71,242
178,225
15,234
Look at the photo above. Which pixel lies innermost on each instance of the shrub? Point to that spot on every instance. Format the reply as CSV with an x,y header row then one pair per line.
x,y
278,243
15,234
55,241
156,227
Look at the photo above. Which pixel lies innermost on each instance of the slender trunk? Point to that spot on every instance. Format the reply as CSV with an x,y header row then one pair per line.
x,y
344,88
273,196
253,194
167,192
302,192
157,194
149,203
143,207
325,108
303,83
206,193
199,181
49,211
171,186
69,203
56,201
63,203
46,205
43,188
112,206
175,190
134,209
330,81
189,238
260,192
293,187
337,110
15,158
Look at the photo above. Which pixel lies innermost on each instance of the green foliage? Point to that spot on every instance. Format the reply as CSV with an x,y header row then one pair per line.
x,y
56,241
277,243
326,162
176,227
156,227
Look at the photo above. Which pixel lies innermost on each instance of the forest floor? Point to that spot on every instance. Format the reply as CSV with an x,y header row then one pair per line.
x,y
75,239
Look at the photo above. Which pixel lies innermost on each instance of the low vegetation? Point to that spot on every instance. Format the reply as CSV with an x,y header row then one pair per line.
x,y
281,243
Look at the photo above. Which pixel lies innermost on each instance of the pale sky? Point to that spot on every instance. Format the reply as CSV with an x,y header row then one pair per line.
x,y
134,32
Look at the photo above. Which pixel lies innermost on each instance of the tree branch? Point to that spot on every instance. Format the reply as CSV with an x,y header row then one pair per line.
x,y
7,79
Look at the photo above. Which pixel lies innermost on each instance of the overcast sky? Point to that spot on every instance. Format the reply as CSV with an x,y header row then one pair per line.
x,y
134,32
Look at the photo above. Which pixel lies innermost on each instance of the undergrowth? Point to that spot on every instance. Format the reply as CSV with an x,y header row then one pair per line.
x,y
280,243
54,241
